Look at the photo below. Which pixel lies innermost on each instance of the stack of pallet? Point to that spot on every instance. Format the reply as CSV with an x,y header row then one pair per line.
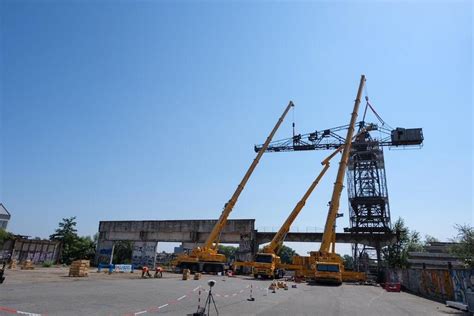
x,y
186,274
27,265
197,276
79,268
12,264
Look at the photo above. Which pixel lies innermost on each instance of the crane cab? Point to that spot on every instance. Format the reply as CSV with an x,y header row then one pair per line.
x,y
328,272
266,266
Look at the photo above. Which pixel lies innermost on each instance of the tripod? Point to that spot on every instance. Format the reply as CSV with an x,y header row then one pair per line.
x,y
207,305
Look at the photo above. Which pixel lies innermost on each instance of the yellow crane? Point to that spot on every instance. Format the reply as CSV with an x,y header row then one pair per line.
x,y
328,265
206,258
267,264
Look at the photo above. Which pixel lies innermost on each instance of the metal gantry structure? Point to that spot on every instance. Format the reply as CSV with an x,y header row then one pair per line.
x,y
369,210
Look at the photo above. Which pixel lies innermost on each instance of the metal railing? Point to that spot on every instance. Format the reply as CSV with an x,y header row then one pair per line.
x,y
293,229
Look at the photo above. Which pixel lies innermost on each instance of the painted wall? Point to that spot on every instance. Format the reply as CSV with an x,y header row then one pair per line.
x,y
144,253
462,280
438,285
103,252
38,251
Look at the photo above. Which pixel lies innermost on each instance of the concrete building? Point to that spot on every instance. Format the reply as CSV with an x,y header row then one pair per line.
x,y
435,256
4,216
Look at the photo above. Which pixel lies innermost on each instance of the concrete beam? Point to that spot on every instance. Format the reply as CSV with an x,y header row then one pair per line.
x,y
193,231
348,238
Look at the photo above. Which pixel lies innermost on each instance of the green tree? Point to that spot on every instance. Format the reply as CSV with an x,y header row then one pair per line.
x,y
348,262
123,252
4,236
228,251
286,254
464,244
74,247
396,256
83,248
430,239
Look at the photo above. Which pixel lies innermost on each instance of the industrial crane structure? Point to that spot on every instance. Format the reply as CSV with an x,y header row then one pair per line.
x,y
369,211
267,264
206,258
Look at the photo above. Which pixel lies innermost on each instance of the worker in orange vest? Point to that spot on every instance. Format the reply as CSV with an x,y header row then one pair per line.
x,y
158,272
145,272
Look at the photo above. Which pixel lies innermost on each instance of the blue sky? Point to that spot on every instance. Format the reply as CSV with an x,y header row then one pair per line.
x,y
150,110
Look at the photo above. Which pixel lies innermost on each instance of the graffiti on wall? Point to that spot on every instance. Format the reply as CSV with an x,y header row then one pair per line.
x,y
436,284
103,255
144,253
462,280
440,285
35,257
38,251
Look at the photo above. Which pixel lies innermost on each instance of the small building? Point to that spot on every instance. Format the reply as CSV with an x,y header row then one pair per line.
x,y
435,256
4,217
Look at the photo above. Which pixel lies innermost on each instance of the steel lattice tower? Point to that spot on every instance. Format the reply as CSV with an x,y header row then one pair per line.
x,y
369,210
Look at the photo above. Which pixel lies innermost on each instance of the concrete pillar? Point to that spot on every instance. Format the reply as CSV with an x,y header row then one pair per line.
x,y
144,253
246,247
378,250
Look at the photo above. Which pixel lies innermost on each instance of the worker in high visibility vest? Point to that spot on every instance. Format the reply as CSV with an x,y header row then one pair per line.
x,y
158,272
146,272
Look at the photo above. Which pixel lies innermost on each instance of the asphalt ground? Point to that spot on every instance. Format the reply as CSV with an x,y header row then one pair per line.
x,y
51,292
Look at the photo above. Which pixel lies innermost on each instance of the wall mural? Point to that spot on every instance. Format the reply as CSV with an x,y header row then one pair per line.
x,y
144,253
439,285
462,280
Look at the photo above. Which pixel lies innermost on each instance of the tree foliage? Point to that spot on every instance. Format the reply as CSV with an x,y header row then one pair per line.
x,y
74,247
396,256
286,254
464,244
430,239
348,262
4,236
228,251
123,252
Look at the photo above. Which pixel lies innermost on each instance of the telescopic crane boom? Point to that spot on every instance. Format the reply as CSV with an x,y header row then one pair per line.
x,y
338,185
329,265
267,263
277,241
206,258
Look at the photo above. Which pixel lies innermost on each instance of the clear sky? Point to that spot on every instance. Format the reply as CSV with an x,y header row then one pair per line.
x,y
116,110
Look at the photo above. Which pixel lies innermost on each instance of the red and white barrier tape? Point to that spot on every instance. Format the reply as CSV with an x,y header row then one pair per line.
x,y
14,311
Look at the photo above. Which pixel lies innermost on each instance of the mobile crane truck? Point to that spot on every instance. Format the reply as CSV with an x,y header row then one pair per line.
x,y
267,264
329,266
206,258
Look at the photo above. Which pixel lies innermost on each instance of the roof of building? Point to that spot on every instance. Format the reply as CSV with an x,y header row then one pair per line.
x,y
3,210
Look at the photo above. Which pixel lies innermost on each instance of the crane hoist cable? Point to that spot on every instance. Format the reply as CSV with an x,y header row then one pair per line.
x,y
293,121
370,106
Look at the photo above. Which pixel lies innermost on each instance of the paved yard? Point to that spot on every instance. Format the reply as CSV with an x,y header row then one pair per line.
x,y
51,292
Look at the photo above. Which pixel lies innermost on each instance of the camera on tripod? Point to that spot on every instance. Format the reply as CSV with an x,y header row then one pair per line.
x,y
206,309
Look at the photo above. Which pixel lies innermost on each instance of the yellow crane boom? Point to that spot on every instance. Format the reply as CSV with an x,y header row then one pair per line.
x,y
212,240
277,241
328,265
267,263
338,185
206,258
